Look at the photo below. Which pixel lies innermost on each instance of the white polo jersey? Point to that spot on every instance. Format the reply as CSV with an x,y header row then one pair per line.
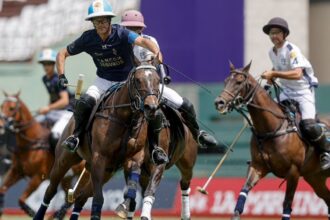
x,y
143,54
290,57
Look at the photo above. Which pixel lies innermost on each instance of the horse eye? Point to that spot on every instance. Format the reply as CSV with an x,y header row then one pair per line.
x,y
11,108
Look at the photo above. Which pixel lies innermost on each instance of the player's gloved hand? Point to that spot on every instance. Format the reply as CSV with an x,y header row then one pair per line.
x,y
62,81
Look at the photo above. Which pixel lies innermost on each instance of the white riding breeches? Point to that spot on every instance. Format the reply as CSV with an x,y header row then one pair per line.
x,y
60,124
99,87
172,97
306,102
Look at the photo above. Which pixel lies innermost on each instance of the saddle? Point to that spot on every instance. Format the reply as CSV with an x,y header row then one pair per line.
x,y
291,109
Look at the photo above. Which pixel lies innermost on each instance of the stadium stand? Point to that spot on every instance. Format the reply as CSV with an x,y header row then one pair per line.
x,y
29,25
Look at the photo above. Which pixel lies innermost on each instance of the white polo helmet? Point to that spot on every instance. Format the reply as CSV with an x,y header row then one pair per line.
x,y
99,8
47,55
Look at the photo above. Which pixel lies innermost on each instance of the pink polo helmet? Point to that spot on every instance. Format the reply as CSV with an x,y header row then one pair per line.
x,y
132,18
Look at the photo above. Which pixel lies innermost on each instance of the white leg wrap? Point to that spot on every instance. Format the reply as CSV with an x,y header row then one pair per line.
x,y
147,206
130,215
185,206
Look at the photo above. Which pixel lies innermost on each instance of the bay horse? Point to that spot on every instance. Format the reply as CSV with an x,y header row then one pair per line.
x,y
275,145
31,154
112,140
177,141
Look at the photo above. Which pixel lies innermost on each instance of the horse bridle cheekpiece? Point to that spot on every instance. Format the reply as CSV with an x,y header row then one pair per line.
x,y
137,100
237,100
10,119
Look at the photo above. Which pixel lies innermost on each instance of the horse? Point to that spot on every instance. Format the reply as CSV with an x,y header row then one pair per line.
x,y
177,141
276,146
5,157
112,138
31,154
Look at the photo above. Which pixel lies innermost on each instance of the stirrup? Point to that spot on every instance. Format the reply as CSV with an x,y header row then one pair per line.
x,y
161,154
325,160
68,145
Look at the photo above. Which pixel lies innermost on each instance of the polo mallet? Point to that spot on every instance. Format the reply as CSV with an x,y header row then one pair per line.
x,y
203,189
79,86
71,191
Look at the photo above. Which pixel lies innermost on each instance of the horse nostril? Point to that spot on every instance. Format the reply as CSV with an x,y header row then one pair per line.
x,y
150,107
219,103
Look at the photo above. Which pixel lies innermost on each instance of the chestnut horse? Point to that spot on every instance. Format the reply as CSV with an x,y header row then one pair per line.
x,y
177,141
31,154
111,142
276,145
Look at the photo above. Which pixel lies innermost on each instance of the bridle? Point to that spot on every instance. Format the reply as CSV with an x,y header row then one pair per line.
x,y
14,125
138,95
239,103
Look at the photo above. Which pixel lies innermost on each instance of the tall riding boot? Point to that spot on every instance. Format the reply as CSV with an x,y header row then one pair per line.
x,y
201,137
158,155
83,109
317,138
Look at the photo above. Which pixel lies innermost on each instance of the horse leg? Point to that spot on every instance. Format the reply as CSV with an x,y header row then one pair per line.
x,y
149,194
132,175
291,186
32,186
186,171
318,183
97,173
66,184
12,177
83,193
60,167
253,176
81,198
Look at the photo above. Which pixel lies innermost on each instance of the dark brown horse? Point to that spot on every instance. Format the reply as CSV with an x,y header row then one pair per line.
x,y
31,154
275,144
177,141
5,157
112,141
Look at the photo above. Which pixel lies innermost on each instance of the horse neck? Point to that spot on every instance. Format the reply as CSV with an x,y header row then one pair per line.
x,y
263,120
120,98
26,115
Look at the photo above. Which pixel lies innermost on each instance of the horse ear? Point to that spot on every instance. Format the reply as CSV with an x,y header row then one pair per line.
x,y
17,94
231,65
246,69
5,93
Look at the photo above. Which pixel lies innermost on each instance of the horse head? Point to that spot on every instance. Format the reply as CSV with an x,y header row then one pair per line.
x,y
144,90
239,89
11,108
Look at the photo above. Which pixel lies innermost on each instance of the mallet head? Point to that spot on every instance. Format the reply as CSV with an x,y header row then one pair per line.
x,y
202,190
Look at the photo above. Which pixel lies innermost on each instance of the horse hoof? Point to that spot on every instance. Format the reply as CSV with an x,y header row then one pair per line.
x,y
144,218
185,218
236,216
121,211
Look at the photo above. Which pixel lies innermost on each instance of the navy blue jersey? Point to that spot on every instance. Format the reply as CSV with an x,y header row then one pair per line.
x,y
52,88
113,57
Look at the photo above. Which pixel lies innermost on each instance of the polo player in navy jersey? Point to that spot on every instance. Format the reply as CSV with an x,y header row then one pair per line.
x,y
111,47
